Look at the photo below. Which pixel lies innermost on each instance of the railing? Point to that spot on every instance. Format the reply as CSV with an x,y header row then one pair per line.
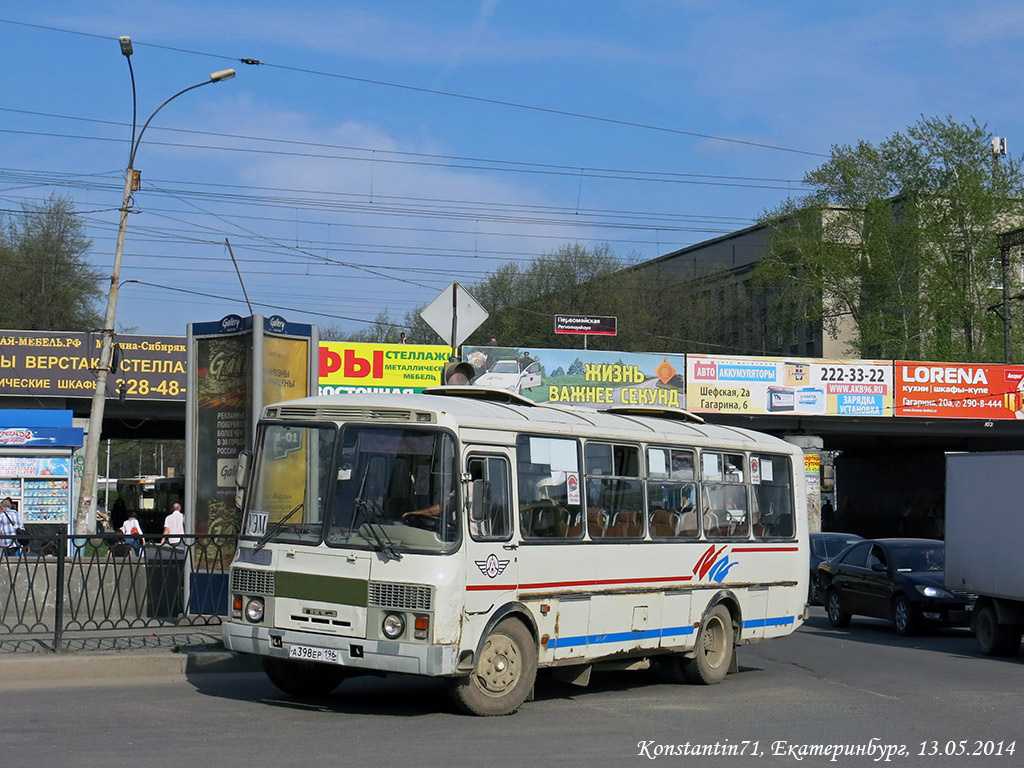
x,y
63,584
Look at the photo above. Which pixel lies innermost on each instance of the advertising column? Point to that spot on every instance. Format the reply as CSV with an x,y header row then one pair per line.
x,y
236,366
217,423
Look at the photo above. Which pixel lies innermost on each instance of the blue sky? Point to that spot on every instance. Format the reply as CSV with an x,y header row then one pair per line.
x,y
345,195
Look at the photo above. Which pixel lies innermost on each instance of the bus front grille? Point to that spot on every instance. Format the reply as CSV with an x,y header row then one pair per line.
x,y
409,597
252,582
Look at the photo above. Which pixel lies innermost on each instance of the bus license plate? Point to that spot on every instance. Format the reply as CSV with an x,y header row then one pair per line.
x,y
313,654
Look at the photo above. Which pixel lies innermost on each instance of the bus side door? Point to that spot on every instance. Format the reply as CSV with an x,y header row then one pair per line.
x,y
492,567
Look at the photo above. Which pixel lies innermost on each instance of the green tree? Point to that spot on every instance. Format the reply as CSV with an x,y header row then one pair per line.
x,y
523,299
900,239
381,330
48,283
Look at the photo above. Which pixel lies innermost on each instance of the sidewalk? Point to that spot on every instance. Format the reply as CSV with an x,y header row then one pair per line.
x,y
115,655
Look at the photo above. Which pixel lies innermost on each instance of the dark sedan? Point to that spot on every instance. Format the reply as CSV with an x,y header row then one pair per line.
x,y
825,546
896,579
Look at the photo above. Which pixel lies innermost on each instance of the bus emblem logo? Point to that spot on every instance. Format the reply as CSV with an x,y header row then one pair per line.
x,y
711,566
492,567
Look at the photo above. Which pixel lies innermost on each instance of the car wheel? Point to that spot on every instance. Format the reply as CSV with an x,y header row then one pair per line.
x,y
504,674
303,679
994,639
715,647
903,617
837,617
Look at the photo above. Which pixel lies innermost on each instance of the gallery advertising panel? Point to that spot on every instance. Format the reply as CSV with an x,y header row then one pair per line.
x,y
959,390
786,385
396,369
592,379
220,408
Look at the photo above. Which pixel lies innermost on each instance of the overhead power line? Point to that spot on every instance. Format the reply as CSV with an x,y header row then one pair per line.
x,y
608,175
373,152
447,94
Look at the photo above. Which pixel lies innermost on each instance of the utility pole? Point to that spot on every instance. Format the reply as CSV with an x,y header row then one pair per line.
x,y
131,183
1006,241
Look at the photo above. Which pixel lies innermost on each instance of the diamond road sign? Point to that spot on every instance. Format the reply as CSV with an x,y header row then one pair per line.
x,y
454,314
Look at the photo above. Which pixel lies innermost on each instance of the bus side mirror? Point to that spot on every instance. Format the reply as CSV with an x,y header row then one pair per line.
x,y
242,467
477,495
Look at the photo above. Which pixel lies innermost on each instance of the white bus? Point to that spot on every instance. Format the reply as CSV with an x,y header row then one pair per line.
x,y
473,535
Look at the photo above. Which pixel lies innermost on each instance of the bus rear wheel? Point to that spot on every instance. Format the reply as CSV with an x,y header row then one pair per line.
x,y
303,679
714,649
504,674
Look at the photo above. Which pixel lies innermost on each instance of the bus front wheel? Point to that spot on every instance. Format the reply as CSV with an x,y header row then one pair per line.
x,y
714,650
504,674
303,679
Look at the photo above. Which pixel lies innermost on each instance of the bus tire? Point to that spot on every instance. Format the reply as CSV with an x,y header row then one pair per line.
x,y
714,649
303,679
504,675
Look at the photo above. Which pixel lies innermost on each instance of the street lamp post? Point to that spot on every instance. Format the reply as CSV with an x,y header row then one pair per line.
x,y
92,440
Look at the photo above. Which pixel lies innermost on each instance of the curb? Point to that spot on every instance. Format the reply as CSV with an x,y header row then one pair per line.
x,y
115,667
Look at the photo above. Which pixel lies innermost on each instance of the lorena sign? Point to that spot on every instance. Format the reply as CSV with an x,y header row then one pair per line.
x,y
586,324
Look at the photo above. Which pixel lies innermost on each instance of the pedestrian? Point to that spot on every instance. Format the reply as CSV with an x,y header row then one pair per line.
x,y
132,530
118,514
102,521
828,515
401,338
10,528
174,523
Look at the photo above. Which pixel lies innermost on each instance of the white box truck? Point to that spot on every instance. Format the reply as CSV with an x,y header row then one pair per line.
x,y
984,533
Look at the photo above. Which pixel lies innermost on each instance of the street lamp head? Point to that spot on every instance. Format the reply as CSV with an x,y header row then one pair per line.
x,y
126,45
224,74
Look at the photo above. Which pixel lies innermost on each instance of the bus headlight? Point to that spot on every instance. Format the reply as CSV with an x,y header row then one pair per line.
x,y
393,626
254,610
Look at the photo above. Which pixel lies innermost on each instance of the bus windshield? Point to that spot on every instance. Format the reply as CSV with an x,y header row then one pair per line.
x,y
393,489
396,490
286,503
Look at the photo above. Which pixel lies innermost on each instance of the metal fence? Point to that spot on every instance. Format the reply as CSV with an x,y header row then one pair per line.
x,y
63,584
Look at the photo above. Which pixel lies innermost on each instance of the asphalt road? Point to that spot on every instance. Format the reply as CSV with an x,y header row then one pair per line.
x,y
862,688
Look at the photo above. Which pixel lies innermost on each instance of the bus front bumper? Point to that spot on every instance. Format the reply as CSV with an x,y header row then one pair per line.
x,y
354,653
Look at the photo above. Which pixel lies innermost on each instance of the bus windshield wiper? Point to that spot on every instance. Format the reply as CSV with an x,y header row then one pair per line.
x,y
373,518
277,526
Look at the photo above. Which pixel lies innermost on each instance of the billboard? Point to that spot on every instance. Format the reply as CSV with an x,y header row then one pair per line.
x,y
353,367
580,377
787,385
959,390
64,364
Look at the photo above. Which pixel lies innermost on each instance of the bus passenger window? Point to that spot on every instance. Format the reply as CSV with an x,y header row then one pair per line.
x,y
615,494
671,493
548,481
772,497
